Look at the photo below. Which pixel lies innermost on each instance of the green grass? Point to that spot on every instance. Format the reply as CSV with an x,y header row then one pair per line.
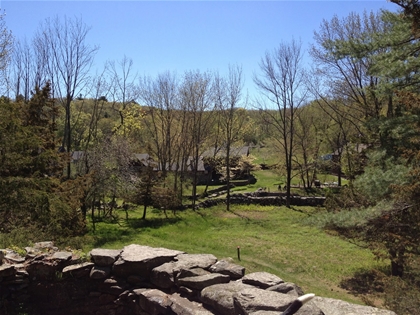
x,y
271,239
266,155
270,180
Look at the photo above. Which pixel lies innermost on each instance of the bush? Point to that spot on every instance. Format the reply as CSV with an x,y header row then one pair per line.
x,y
347,198
402,296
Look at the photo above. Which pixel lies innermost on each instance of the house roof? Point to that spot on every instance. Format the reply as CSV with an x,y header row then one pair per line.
x,y
190,167
234,151
144,159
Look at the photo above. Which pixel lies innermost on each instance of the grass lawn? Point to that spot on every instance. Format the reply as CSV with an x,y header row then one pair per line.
x,y
272,239
270,180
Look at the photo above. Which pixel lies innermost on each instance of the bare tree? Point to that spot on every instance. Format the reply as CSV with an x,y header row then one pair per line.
x,y
309,128
343,85
231,117
30,62
42,65
69,62
197,101
345,75
6,46
123,89
282,85
160,96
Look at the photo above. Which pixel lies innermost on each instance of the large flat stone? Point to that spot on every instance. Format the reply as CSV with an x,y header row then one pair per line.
x,y
262,279
200,282
182,306
252,300
189,261
220,296
78,270
104,257
234,271
337,307
154,301
164,275
140,260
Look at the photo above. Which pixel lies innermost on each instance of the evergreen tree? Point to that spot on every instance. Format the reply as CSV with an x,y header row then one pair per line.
x,y
392,229
34,201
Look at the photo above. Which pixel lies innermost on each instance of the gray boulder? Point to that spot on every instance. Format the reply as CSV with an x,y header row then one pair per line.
x,y
43,269
164,276
140,260
253,300
45,246
79,270
194,272
287,288
61,256
183,306
220,296
224,267
13,257
337,307
189,261
154,301
113,286
99,272
262,279
104,257
200,282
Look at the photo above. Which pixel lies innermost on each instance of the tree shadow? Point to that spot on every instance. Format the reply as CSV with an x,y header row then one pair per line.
x,y
154,223
129,229
242,216
365,282
302,210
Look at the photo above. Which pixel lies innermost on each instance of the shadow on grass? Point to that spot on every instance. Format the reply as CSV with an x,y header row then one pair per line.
x,y
128,229
242,216
365,282
154,223
308,210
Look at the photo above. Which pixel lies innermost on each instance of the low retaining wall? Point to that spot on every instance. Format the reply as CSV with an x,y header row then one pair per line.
x,y
143,280
266,199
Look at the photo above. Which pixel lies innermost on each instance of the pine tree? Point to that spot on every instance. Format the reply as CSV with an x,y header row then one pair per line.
x,y
34,200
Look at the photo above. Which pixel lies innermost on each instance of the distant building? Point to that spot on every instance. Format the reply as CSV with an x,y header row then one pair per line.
x,y
234,152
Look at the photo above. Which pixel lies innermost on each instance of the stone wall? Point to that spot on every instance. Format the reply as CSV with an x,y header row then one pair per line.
x,y
264,199
145,280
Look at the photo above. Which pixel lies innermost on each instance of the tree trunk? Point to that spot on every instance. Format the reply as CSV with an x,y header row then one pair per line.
x,y
397,270
397,262
144,212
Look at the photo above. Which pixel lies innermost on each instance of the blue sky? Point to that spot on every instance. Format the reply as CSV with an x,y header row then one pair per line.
x,y
187,35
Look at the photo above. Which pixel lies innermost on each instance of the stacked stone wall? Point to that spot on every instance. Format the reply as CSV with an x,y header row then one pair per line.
x,y
143,280
265,199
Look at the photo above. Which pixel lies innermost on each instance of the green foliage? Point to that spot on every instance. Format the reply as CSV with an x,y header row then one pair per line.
x,y
403,295
165,198
346,198
396,59
379,177
33,199
389,229
351,221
